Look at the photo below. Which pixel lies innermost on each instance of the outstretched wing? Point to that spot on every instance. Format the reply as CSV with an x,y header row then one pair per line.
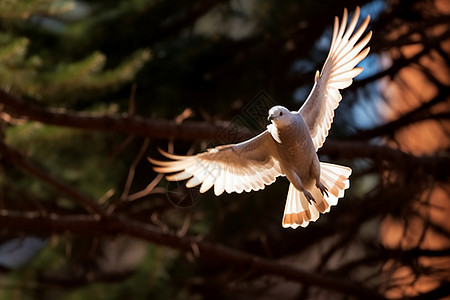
x,y
337,73
248,166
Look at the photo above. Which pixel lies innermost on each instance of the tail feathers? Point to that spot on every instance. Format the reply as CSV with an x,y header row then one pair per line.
x,y
299,212
335,179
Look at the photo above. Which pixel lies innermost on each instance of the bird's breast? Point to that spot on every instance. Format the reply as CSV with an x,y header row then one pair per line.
x,y
295,135
296,149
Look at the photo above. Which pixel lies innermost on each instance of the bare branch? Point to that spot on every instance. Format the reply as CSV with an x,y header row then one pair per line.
x,y
88,225
397,65
206,131
410,38
417,115
113,123
437,165
438,293
20,161
132,169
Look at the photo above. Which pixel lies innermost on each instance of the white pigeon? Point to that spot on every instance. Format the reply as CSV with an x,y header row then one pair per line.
x,y
288,147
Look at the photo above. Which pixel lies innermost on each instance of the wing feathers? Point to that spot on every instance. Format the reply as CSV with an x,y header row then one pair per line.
x,y
343,23
351,54
337,73
179,176
359,32
252,164
210,179
219,187
354,61
352,24
240,167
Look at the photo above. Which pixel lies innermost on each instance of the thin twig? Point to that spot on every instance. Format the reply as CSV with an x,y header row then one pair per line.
x,y
132,169
20,161
148,189
87,225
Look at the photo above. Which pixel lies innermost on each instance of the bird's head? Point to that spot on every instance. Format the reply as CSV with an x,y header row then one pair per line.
x,y
279,115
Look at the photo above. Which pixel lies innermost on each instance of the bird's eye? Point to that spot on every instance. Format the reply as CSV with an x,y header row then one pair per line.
x,y
281,113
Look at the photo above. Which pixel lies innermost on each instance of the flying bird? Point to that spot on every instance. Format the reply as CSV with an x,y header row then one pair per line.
x,y
288,147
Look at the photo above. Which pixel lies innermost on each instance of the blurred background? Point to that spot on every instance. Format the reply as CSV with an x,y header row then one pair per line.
x,y
89,89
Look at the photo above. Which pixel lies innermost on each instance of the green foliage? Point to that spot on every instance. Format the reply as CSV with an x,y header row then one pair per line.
x,y
85,59
14,10
43,73
69,154
86,78
212,57
16,69
151,280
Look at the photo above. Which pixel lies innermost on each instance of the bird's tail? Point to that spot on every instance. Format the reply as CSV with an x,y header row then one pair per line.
x,y
299,212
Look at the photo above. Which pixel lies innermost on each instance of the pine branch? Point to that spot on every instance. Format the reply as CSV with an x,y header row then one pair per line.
x,y
113,123
438,165
34,222
111,225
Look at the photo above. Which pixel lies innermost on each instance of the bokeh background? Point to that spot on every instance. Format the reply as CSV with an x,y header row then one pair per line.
x,y
89,89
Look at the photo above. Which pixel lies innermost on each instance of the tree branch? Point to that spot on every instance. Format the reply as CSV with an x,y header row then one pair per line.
x,y
396,66
34,222
25,165
440,292
410,37
437,165
163,129
419,114
115,123
88,225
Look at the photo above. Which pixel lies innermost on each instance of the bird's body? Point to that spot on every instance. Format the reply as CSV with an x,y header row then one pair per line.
x,y
298,158
288,147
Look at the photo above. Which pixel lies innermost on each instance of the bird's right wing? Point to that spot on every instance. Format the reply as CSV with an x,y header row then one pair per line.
x,y
248,166
337,73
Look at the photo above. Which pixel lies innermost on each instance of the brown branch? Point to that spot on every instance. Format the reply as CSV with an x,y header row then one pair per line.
x,y
417,115
20,161
440,292
381,44
164,129
391,127
397,65
410,37
437,165
33,222
429,44
112,123
87,225
132,169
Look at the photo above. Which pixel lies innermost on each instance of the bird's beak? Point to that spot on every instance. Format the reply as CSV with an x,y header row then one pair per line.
x,y
270,118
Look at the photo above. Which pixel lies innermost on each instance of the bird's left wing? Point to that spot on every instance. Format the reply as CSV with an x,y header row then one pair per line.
x,y
337,73
248,166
